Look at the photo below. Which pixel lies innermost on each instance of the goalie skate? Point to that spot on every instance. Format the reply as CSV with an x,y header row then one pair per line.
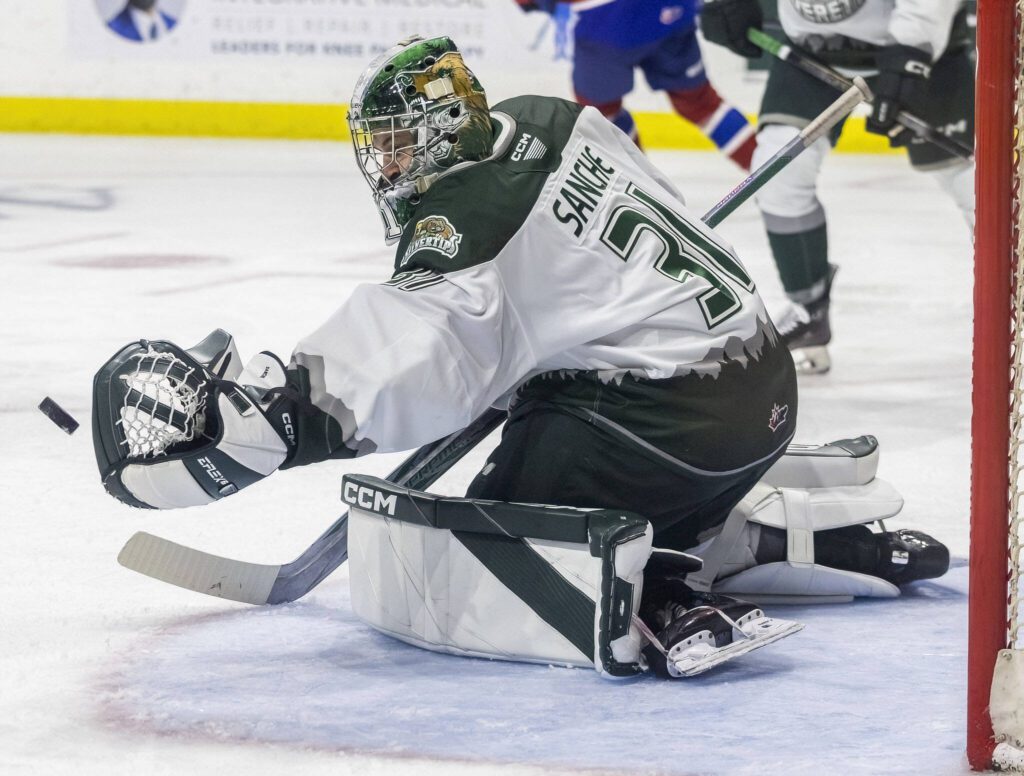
x,y
700,652
708,630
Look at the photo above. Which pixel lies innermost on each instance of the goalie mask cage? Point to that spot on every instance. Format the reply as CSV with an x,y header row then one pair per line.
x,y
995,682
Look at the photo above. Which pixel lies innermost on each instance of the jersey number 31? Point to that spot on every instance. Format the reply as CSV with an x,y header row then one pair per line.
x,y
685,252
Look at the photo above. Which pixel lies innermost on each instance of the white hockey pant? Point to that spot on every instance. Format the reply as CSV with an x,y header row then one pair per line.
x,y
789,201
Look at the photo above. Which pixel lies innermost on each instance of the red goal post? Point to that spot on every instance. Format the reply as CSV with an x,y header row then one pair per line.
x,y
995,681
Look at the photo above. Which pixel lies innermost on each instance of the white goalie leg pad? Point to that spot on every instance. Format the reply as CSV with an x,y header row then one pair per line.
x,y
489,579
622,572
729,563
843,462
801,513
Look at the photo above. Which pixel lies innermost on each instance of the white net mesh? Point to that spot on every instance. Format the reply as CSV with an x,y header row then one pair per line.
x,y
164,404
995,672
1016,542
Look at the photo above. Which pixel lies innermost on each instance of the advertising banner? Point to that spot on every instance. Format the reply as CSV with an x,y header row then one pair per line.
x,y
296,31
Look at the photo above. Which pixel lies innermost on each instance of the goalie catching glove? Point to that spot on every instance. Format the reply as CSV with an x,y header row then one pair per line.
x,y
178,428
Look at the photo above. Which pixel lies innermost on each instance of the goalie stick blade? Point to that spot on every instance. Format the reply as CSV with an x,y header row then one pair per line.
x,y
249,583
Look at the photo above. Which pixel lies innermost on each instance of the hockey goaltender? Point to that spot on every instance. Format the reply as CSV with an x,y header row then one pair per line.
x,y
646,473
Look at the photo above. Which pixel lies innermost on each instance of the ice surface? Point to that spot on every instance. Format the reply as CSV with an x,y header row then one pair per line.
x,y
828,700
104,240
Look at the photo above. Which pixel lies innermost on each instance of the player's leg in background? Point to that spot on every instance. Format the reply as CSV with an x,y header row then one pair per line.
x,y
617,115
794,217
601,76
950,109
674,65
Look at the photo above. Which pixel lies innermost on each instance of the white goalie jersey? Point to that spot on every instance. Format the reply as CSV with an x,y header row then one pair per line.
x,y
566,249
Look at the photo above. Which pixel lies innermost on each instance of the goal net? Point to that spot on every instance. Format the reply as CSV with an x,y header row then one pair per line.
x,y
995,686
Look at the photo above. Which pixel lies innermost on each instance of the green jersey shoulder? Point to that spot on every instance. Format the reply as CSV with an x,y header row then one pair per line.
x,y
471,213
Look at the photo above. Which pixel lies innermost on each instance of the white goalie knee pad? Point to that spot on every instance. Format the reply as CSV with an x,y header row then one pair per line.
x,y
811,488
957,180
792,194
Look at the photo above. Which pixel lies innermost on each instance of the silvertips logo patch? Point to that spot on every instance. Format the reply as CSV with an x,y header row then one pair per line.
x,y
434,233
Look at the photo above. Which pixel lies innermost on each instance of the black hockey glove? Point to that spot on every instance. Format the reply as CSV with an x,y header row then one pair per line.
x,y
726,22
902,84
548,6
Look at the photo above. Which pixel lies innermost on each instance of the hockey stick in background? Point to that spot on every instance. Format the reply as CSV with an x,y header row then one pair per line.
x,y
824,73
258,583
856,93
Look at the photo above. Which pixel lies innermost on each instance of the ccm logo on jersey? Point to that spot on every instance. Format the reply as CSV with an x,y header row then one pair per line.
x,y
368,498
528,147
582,189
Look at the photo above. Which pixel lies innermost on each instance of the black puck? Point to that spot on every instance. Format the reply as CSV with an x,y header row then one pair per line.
x,y
53,411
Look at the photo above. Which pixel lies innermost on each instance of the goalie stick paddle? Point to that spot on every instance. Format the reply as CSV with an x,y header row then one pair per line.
x,y
824,73
258,583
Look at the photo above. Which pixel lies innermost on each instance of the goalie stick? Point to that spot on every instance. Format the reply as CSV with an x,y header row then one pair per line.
x,y
258,583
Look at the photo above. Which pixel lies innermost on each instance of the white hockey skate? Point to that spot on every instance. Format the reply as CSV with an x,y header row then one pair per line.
x,y
806,331
812,361
721,628
798,330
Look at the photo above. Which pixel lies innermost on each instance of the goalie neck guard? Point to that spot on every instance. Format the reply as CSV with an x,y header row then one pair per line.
x,y
417,110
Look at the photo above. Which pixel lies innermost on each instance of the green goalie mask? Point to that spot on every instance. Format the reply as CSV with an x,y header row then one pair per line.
x,y
417,111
